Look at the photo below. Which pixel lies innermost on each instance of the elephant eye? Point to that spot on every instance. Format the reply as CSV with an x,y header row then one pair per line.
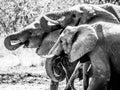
x,y
73,15
30,33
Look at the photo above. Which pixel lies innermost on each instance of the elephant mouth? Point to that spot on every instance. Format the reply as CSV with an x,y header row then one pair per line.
x,y
25,44
15,42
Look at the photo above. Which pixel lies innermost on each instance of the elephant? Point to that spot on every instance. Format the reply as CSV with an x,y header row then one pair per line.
x,y
113,9
66,17
73,16
76,15
31,38
101,42
32,35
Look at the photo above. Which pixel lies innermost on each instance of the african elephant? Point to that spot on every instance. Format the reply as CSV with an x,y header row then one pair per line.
x,y
78,14
101,42
32,35
66,17
31,38
74,16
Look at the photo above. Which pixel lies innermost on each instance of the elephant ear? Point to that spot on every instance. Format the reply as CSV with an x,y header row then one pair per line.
x,y
94,13
85,42
114,9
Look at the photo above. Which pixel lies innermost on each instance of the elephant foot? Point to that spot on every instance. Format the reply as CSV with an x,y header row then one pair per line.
x,y
54,85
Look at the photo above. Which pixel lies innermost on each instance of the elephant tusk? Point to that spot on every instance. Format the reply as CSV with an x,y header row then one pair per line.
x,y
51,21
51,24
47,56
13,42
89,68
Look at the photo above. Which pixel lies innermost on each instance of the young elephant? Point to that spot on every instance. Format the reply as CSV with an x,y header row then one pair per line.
x,y
101,41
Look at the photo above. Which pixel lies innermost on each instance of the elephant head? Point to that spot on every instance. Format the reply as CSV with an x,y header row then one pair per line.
x,y
82,14
75,42
19,38
32,35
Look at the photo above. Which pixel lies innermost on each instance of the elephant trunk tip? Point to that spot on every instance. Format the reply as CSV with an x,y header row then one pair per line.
x,y
8,45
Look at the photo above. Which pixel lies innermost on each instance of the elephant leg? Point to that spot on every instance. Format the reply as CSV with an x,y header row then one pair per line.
x,y
70,87
73,76
114,83
54,85
101,70
85,75
69,67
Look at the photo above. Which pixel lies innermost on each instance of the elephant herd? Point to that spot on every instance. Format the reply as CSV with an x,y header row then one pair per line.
x,y
82,42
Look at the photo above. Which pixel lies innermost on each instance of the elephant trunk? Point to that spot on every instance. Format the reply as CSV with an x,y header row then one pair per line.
x,y
50,69
56,50
48,28
59,17
8,45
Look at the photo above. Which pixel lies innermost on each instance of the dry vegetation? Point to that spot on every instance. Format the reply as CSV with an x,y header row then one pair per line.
x,y
23,69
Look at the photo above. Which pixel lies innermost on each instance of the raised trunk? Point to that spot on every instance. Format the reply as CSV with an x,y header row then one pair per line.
x,y
58,18
8,45
49,28
58,14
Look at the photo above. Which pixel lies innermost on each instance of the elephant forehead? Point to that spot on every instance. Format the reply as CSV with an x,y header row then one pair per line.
x,y
48,43
33,25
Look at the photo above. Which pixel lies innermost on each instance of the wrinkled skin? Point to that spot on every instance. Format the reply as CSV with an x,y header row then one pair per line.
x,y
69,68
81,14
32,36
101,42
75,20
72,16
73,70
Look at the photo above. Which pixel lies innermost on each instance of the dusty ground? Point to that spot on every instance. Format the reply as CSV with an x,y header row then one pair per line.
x,y
24,81
24,78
